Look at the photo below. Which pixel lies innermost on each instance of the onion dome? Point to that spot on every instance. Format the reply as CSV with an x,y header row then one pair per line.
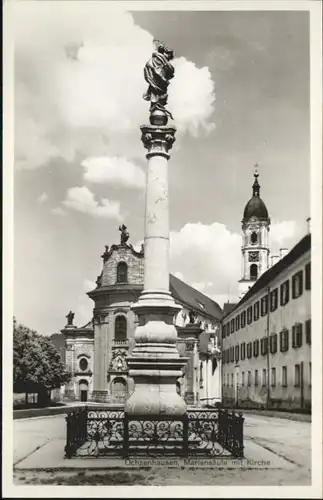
x,y
255,206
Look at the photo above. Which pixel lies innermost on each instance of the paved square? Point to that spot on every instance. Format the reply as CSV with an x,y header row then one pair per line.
x,y
277,452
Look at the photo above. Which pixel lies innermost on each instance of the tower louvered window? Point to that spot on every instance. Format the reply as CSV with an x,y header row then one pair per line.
x,y
122,273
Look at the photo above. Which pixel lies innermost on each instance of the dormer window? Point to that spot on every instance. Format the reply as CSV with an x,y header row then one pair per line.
x,y
122,273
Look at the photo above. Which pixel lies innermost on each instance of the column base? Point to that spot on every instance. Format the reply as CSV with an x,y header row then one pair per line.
x,y
100,396
155,363
155,375
154,400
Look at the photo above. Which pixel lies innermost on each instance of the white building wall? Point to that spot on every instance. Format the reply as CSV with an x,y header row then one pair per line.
x,y
297,310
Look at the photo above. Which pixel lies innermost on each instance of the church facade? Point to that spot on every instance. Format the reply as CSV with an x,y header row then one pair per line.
x,y
103,344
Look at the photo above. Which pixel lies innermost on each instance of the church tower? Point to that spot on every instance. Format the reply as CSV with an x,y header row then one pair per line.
x,y
255,239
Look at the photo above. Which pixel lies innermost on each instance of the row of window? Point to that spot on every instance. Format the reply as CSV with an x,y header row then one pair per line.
x,y
251,349
260,308
264,382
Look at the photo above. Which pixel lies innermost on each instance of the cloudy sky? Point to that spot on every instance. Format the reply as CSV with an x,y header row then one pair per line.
x,y
240,96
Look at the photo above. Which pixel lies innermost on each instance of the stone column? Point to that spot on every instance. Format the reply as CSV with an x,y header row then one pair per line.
x,y
100,368
155,363
195,374
68,333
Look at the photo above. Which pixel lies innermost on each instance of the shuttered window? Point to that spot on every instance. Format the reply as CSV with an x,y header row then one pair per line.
x,y
297,285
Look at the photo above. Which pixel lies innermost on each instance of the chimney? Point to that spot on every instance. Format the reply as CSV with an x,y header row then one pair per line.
x,y
274,259
308,220
283,252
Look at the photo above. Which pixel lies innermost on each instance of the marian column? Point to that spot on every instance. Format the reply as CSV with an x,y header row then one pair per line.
x,y
155,364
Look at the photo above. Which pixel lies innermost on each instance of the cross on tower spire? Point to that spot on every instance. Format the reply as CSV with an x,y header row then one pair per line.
x,y
256,185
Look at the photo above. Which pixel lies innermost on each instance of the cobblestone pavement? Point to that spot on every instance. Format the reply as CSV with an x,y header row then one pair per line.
x,y
290,440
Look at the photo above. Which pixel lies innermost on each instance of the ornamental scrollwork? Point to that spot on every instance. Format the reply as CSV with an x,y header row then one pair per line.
x,y
189,346
157,139
118,362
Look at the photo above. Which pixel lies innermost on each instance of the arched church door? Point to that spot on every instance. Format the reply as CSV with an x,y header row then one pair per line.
x,y
119,389
83,389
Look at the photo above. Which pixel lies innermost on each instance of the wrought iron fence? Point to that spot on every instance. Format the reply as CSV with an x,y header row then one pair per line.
x,y
76,431
102,432
230,432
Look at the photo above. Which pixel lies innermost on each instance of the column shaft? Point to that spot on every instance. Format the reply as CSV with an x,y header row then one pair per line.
x,y
157,226
155,364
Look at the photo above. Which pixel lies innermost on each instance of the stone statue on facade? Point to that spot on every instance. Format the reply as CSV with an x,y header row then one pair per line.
x,y
193,316
157,72
124,237
70,318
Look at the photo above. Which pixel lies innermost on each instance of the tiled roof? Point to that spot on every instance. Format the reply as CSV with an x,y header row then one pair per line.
x,y
296,252
182,292
228,307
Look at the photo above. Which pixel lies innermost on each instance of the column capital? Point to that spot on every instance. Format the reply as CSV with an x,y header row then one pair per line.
x,y
101,319
157,139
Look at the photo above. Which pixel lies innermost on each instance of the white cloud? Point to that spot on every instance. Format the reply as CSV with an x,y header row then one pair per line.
x,y
57,211
191,97
79,84
42,198
83,200
208,256
179,275
280,232
115,171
